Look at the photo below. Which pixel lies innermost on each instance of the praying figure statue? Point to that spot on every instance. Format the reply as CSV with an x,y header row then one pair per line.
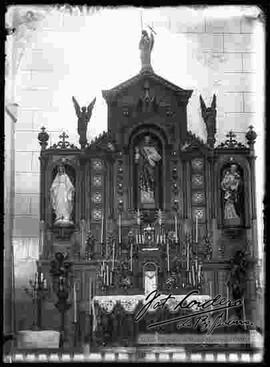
x,y
84,114
230,184
146,45
62,196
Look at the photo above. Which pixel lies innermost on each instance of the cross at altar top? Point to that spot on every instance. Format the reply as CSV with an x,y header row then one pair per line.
x,y
146,45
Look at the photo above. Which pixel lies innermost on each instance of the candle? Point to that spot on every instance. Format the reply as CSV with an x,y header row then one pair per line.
x,y
119,228
244,312
111,274
193,275
75,302
188,256
176,235
101,232
168,257
90,295
210,288
138,217
228,297
107,274
131,254
196,220
45,283
199,272
159,217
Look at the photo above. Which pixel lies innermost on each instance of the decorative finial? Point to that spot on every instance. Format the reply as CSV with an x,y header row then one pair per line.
x,y
146,45
43,138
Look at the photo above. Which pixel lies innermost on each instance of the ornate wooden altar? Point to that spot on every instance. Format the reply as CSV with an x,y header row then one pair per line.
x,y
150,205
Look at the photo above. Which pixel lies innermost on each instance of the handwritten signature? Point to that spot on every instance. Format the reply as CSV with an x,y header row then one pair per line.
x,y
205,308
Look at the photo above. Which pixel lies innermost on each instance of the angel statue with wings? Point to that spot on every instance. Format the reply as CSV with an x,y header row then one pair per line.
x,y
84,114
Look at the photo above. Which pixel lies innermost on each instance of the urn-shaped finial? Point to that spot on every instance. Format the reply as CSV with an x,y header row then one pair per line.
x,y
251,136
43,138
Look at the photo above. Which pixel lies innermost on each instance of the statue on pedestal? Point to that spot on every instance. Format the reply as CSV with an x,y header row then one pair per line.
x,y
146,45
84,114
62,195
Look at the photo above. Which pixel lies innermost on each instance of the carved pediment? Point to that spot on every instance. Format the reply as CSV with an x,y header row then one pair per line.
x,y
111,94
104,142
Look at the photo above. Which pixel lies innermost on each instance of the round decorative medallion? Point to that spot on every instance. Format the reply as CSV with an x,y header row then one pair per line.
x,y
197,164
97,181
197,180
198,197
97,213
198,212
97,197
97,164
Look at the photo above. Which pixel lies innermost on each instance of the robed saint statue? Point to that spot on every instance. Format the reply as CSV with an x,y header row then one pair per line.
x,y
62,197
147,158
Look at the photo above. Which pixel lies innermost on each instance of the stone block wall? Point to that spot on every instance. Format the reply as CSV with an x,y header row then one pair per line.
x,y
203,52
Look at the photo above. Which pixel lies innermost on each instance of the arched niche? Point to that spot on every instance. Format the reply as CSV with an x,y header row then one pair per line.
x,y
147,162
233,194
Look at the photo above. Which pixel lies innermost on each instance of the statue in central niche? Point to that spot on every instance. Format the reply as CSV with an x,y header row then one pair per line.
x,y
147,159
231,186
146,45
62,197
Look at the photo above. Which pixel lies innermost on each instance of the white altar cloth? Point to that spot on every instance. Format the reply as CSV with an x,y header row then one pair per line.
x,y
130,302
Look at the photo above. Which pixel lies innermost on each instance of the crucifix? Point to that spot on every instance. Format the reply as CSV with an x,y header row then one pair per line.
x,y
64,136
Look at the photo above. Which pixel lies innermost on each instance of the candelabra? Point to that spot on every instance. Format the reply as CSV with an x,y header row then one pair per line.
x,y
60,271
37,291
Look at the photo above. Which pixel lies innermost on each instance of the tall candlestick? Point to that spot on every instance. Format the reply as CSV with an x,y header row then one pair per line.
x,y
168,256
176,235
196,221
119,228
90,296
101,232
75,302
131,255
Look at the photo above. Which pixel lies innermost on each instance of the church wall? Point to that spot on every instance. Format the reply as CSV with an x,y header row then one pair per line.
x,y
221,58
